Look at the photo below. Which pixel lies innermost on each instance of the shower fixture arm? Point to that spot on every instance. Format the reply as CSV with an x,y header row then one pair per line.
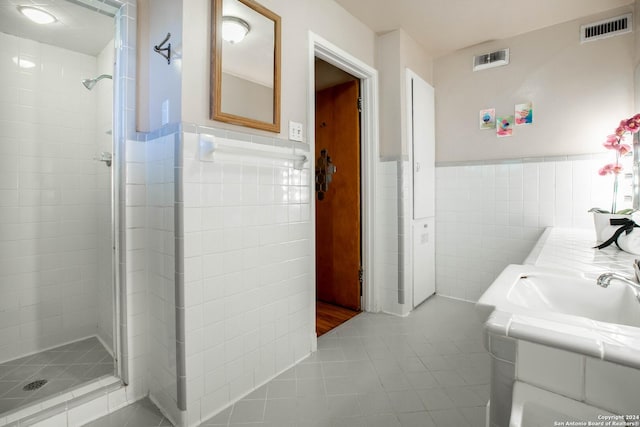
x,y
90,83
161,50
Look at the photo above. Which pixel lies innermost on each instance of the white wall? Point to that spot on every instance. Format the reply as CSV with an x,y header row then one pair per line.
x,y
248,281
580,93
390,90
48,211
159,81
397,51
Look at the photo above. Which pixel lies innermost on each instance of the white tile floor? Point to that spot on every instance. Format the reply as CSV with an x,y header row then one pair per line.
x,y
376,370
428,369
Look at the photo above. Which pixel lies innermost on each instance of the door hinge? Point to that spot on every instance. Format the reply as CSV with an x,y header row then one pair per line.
x,y
361,278
360,104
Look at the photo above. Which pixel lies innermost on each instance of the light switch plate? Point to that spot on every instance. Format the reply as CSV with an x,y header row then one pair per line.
x,y
295,131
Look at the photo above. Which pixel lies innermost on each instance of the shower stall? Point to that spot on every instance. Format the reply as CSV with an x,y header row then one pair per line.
x,y
57,270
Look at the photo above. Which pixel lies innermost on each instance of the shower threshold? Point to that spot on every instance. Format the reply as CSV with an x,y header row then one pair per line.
x,y
46,374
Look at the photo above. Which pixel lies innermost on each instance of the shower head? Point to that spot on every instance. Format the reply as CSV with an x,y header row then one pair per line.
x,y
90,83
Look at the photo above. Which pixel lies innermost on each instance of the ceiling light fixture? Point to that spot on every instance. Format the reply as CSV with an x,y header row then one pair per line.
x,y
234,29
37,15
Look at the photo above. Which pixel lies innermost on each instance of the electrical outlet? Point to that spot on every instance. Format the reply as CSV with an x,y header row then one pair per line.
x,y
295,131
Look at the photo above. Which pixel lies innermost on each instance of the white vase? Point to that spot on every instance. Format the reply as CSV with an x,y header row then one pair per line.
x,y
604,229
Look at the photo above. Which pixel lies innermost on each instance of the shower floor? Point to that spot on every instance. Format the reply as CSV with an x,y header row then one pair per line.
x,y
62,367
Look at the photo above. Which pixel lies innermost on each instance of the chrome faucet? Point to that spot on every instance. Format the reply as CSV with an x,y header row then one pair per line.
x,y
604,280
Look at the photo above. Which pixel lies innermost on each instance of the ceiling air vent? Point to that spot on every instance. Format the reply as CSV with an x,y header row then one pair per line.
x,y
607,28
491,60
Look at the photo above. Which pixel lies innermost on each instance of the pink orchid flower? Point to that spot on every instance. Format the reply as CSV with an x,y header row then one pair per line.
x,y
615,142
612,142
631,125
623,149
610,168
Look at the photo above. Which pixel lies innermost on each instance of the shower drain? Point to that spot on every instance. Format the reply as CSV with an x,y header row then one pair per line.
x,y
34,385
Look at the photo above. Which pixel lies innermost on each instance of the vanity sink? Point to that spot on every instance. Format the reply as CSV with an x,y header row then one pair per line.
x,y
529,289
564,344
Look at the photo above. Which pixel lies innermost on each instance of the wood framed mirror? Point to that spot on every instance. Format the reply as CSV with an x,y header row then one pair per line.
x,y
245,64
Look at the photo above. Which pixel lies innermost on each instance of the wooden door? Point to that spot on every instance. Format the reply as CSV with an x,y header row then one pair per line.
x,y
338,248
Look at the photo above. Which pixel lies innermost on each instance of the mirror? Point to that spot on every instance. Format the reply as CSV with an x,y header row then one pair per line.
x,y
245,73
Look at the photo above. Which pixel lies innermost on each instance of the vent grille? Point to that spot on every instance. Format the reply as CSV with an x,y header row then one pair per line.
x,y
491,60
607,28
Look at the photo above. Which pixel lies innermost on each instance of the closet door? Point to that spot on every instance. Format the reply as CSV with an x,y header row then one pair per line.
x,y
424,251
421,132
424,139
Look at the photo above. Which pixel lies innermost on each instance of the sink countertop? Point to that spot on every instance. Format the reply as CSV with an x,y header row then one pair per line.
x,y
572,249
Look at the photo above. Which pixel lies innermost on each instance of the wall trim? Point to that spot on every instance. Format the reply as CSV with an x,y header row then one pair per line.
x,y
541,159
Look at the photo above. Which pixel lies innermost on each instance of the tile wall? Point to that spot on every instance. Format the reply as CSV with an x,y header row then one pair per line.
x,y
579,377
248,284
131,227
48,193
490,215
160,184
137,294
393,236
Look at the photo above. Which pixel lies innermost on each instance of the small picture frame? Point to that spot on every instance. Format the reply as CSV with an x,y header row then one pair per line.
x,y
487,118
524,114
504,126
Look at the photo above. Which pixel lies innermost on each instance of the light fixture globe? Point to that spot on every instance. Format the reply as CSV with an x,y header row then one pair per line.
x,y
234,29
37,15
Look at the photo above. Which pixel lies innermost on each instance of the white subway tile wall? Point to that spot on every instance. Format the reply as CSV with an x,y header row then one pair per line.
x,y
248,284
50,189
137,309
160,244
490,215
386,265
393,218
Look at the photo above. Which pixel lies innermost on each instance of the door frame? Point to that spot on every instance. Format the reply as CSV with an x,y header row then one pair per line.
x,y
321,48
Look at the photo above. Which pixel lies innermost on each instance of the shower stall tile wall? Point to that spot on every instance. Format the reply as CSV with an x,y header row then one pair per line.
x,y
247,274
50,189
490,215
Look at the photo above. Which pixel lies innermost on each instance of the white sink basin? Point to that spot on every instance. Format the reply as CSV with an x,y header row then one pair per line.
x,y
530,289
